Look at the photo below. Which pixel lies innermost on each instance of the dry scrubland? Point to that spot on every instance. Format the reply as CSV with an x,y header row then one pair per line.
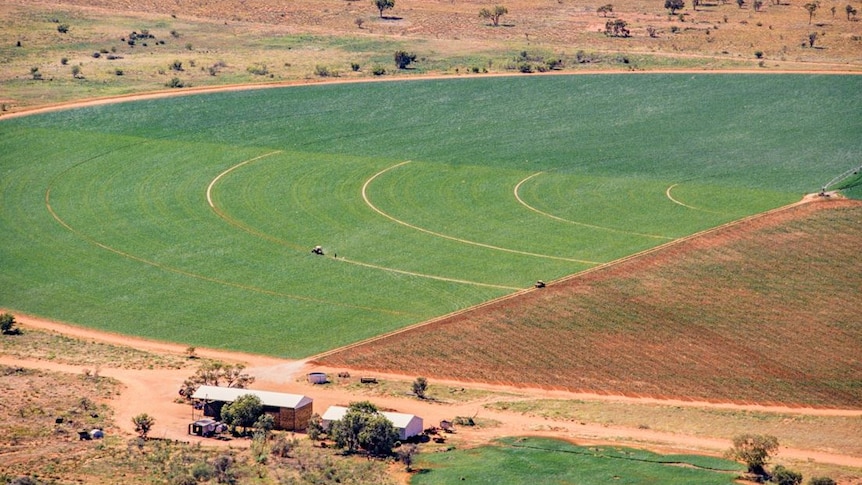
x,y
222,42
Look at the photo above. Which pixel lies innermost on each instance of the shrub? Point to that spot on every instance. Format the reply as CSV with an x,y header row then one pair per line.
x,y
783,476
118,72
822,481
758,54
404,59
175,83
64,60
63,28
378,71
7,324
258,69
354,67
177,65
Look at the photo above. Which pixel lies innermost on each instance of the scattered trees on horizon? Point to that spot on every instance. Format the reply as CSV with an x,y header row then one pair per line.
x,y
384,5
674,5
493,15
216,374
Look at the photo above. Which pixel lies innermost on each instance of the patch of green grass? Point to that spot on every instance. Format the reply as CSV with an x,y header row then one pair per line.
x,y
541,461
121,218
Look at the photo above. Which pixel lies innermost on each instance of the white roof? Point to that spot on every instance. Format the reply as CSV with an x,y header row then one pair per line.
x,y
268,398
399,420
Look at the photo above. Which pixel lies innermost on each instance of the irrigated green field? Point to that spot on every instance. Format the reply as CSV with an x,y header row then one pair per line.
x,y
191,219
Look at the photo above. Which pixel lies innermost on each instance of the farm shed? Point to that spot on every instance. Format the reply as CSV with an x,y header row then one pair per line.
x,y
291,412
407,424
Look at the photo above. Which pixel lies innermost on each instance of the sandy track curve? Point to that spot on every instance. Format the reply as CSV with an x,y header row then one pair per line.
x,y
154,392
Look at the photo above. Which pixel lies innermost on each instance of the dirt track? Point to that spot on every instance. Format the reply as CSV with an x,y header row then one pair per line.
x,y
154,392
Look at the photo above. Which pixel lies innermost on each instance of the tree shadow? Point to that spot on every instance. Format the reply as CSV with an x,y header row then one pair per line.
x,y
391,17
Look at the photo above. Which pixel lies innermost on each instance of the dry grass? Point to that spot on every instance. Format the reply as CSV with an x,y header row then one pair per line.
x,y
218,41
755,313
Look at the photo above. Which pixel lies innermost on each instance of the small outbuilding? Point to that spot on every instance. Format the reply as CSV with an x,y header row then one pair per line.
x,y
291,412
407,425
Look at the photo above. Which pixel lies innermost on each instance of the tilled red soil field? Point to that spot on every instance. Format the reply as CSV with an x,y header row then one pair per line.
x,y
759,312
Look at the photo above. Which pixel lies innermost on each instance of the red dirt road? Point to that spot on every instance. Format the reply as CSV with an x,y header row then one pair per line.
x,y
155,391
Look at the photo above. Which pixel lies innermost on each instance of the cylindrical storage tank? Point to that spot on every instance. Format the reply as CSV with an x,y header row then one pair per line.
x,y
317,377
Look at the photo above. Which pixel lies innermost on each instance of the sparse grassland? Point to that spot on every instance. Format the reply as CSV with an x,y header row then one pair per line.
x,y
225,42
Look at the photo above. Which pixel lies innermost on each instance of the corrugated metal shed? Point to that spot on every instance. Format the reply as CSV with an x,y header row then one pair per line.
x,y
267,398
407,424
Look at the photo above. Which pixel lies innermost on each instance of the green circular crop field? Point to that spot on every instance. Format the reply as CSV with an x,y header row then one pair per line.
x,y
191,219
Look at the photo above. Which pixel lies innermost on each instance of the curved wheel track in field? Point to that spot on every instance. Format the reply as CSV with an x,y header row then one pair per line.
x,y
255,232
583,224
193,275
675,201
453,238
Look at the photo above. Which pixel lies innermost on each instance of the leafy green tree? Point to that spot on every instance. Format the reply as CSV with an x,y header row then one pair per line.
x,y
783,476
674,5
364,427
264,424
420,386
383,5
616,28
811,7
404,59
378,437
216,374
143,424
7,324
244,411
493,15
754,450
315,427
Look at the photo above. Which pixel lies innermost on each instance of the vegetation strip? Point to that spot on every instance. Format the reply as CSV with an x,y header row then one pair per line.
x,y
452,238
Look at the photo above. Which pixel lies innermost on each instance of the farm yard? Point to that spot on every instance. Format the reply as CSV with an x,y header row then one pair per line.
x,y
573,234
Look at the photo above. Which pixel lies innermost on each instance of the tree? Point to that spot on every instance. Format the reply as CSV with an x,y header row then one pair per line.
x,y
405,456
758,4
605,9
753,450
364,427
315,427
494,15
404,59
616,28
674,5
143,424
216,374
7,324
812,38
783,476
740,3
420,385
851,12
244,411
379,436
383,5
811,7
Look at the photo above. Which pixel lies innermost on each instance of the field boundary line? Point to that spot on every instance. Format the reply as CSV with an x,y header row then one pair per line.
x,y
584,224
579,274
452,238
